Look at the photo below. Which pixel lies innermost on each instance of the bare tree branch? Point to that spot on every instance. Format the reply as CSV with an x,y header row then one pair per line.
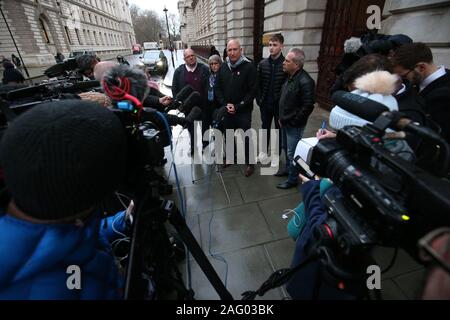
x,y
147,24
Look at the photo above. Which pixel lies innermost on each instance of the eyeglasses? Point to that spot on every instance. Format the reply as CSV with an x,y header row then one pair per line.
x,y
406,74
435,246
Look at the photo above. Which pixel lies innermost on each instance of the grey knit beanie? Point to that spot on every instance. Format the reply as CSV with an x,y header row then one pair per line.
x,y
61,158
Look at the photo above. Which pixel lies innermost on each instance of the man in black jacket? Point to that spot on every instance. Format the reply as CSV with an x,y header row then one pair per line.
x,y
235,91
296,104
269,82
414,62
194,74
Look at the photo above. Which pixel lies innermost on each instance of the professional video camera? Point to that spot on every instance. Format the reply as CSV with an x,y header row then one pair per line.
x,y
152,253
368,206
63,69
392,208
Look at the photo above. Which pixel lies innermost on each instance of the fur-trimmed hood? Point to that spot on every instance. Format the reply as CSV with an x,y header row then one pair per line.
x,y
377,86
381,82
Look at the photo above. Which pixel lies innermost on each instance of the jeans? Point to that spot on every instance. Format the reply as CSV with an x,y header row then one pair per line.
x,y
291,137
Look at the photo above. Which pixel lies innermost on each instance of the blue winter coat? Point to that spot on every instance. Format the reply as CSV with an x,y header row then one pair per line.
x,y
35,257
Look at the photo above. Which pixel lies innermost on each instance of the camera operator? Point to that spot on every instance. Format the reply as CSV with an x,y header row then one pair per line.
x,y
59,57
122,60
356,48
122,83
153,100
60,160
414,63
408,101
86,64
11,75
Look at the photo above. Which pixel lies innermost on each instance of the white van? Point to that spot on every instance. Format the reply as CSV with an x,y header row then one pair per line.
x,y
151,46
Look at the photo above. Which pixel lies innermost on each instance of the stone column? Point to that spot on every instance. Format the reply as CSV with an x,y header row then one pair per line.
x,y
300,22
219,14
240,23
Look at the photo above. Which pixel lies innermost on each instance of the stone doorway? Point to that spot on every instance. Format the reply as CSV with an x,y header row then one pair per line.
x,y
258,30
343,19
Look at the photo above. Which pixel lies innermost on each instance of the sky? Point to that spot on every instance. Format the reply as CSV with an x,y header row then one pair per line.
x,y
157,5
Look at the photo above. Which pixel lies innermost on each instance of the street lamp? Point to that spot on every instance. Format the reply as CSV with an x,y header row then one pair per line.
x,y
170,41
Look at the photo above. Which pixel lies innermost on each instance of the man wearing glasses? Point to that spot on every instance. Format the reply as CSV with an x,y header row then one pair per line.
x,y
414,63
194,74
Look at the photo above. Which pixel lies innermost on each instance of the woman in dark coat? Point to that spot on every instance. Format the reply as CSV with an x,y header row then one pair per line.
x,y
11,75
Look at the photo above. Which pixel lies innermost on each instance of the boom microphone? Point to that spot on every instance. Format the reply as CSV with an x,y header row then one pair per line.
x,y
194,100
362,107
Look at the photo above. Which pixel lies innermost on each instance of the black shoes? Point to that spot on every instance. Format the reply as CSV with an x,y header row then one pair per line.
x,y
249,170
281,173
286,185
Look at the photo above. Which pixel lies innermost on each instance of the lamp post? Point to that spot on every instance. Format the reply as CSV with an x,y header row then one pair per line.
x,y
14,41
168,32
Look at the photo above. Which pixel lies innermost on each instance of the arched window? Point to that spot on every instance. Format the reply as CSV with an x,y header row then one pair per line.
x,y
45,29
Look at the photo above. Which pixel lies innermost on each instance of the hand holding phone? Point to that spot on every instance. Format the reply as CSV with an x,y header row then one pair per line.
x,y
303,167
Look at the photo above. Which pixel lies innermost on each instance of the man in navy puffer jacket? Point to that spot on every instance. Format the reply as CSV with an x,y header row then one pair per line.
x,y
60,160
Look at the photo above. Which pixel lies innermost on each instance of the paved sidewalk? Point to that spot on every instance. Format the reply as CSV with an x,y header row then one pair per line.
x,y
249,233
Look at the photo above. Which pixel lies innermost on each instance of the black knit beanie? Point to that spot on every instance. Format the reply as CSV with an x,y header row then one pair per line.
x,y
61,158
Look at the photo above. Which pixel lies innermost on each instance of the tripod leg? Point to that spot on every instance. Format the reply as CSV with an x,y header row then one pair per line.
x,y
177,220
223,184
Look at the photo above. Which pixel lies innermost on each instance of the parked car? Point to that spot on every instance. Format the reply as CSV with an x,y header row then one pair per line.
x,y
155,63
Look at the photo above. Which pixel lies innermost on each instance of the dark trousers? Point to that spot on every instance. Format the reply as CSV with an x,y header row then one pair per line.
x,y
269,113
206,119
241,121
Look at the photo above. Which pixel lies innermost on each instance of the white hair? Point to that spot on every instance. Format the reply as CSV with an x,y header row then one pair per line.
x,y
299,56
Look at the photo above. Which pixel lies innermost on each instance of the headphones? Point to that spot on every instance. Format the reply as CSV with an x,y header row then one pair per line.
x,y
120,93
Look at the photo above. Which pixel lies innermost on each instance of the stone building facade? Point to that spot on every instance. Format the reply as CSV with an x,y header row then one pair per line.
x,y
41,28
212,22
319,27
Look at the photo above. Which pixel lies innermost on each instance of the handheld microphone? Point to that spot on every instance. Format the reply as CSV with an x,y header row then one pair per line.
x,y
219,116
362,107
193,100
194,115
179,98
184,93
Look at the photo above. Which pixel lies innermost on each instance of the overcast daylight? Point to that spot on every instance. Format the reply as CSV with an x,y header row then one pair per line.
x,y
157,5
126,172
